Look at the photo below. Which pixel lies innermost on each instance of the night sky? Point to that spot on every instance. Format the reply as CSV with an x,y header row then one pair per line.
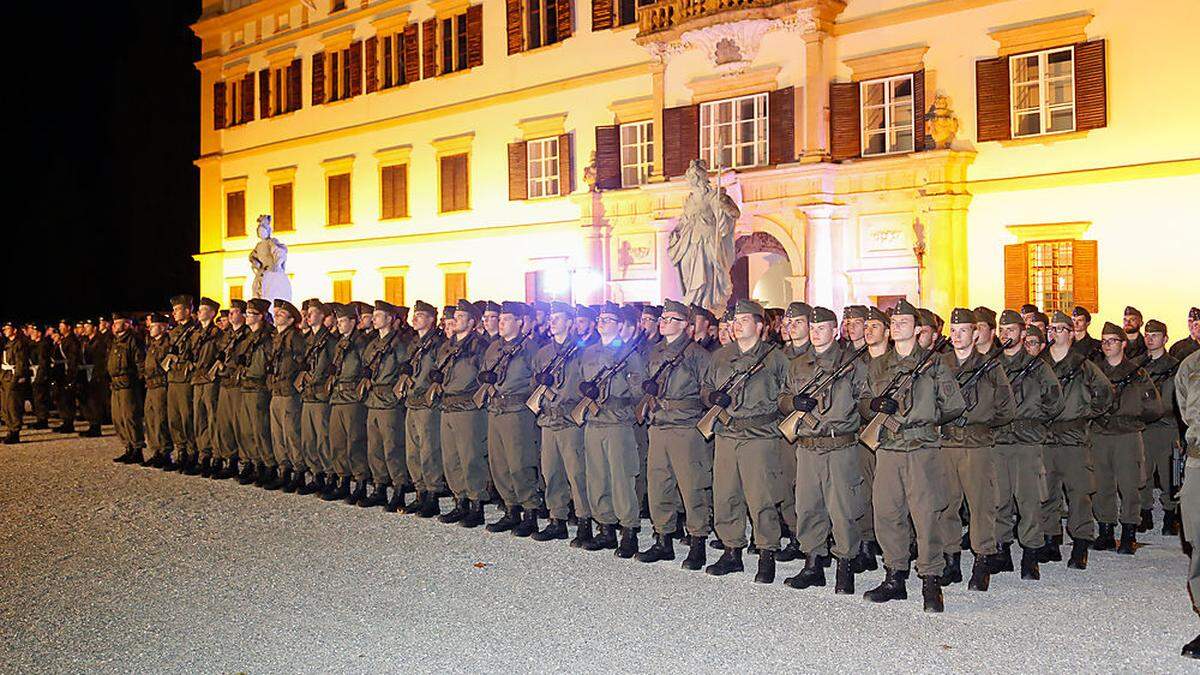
x,y
107,102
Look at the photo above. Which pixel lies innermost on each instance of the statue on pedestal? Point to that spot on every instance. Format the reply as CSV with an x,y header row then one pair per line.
x,y
701,245
268,260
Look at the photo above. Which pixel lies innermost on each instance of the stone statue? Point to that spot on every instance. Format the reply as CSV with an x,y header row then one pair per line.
x,y
701,245
269,260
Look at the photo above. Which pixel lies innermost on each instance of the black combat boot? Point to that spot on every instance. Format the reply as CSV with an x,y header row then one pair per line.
x,y
1147,524
1105,541
206,467
1192,649
413,507
65,428
766,567
191,466
299,482
1003,561
317,486
953,573
359,493
1051,551
283,479
865,560
981,574
93,431
457,513
1079,554
661,549
123,458
1029,564
605,538
1128,545
628,546
287,481
508,521
378,497
696,556
474,517
247,476
812,574
1170,526
729,562
341,489
153,461
528,525
931,593
844,578
230,470
583,535
716,543
893,587
271,479
432,507
555,529
790,552
265,475
396,503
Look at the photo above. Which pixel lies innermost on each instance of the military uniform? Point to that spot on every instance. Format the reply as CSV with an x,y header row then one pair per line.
x,y
68,363
1187,389
229,396
287,354
179,388
95,391
1188,345
205,350
14,373
423,422
157,432
1159,437
41,355
254,426
347,416
463,426
125,356
319,347
385,412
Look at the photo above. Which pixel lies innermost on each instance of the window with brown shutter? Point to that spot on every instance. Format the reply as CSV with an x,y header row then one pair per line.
x,y
389,61
513,26
602,14
393,289
347,77
992,100
371,63
264,93
1016,276
236,292
455,183
681,139
338,199
1091,88
247,98
1053,274
518,177
355,63
919,110
429,63
318,78
343,290
393,191
281,207
782,120
564,18
845,134
608,157
219,105
475,36
1085,271
294,86
566,165
410,54
235,214
278,100
455,284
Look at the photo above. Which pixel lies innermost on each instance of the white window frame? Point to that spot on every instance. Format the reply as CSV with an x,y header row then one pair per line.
x,y
889,106
710,132
1043,109
642,146
545,182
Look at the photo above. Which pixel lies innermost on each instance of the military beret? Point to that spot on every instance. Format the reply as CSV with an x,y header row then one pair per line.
x,y
905,308
540,306
874,314
824,314
237,303
1194,314
422,306
1035,332
341,311
1060,317
985,315
1028,308
652,310
1131,310
1156,326
385,307
585,312
1040,317
159,317
851,312
512,307
925,318
631,314
362,308
470,308
1113,329
557,307
182,299
676,307
1010,318
798,309
1081,311
260,305
748,307
210,303
962,315
288,307
610,308
490,306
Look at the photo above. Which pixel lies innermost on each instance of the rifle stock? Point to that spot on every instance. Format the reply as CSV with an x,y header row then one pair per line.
x,y
403,383
789,425
707,426
433,393
582,409
483,394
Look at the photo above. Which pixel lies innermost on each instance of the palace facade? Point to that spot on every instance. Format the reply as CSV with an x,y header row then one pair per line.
x,y
952,152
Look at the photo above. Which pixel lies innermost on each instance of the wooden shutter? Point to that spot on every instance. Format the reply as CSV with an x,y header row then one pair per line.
x,y
338,189
1085,269
236,292
235,214
412,60
782,120
602,14
389,63
343,292
394,191
455,284
608,157
318,78
281,208
247,97
371,63
475,36
356,68
429,48
518,167
455,183
293,85
918,83
992,100
566,165
393,289
681,138
1091,89
845,124
219,104
563,18
264,93
1016,275
512,19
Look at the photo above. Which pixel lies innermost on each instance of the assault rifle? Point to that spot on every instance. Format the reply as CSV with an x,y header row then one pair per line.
x,y
1016,377
736,381
900,385
546,392
1122,384
405,381
175,353
649,403
364,385
818,383
970,384
310,357
599,385
435,387
489,378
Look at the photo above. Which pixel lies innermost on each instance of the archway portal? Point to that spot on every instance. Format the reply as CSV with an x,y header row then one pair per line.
x,y
761,269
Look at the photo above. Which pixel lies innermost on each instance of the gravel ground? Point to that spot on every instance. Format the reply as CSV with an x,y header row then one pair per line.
x,y
111,568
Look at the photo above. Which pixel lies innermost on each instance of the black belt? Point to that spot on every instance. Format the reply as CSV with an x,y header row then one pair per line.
x,y
826,442
744,423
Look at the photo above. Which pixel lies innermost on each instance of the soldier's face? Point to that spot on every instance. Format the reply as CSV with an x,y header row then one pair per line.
x,y
559,324
746,327
1011,331
1034,345
509,326
671,324
1027,317
1194,329
283,319
204,313
796,328
181,313
583,325
222,322
1079,324
345,324
491,321
463,322
904,327
1155,341
821,334
63,328
422,320
925,336
608,326
157,329
253,318
119,326
962,335
649,324
983,333
1133,323
364,321
1061,334
874,332
9,332
1112,347
380,320
627,331
700,327
724,332
237,317
855,328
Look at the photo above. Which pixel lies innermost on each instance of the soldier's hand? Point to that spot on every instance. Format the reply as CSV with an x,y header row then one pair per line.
x,y
589,390
650,387
406,368
885,404
487,377
545,379
436,376
720,399
804,403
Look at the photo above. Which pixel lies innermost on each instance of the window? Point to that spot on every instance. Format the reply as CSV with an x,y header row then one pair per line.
x,y
338,198
1051,275
637,152
1056,272
393,289
454,183
541,22
236,292
456,287
887,115
627,11
233,103
281,208
340,73
733,132
337,5
235,214
543,167
393,191
393,61
1043,92
343,290
454,43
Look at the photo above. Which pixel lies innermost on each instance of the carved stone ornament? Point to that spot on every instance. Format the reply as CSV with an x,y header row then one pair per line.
x,y
732,46
940,123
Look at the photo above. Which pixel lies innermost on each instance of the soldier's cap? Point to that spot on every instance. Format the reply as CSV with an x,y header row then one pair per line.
x,y
985,315
798,309
402,312
425,307
585,312
8,324
698,311
472,309
925,318
1194,314
159,317
1060,317
511,307
851,312
309,303
260,305
224,313
824,314
448,311
1028,308
748,307
1134,311
385,307
1040,317
87,322
906,308
490,306
610,308
481,304
652,311
33,324
125,316
963,315
64,320
636,304
540,306
1035,332
1081,311
1112,329
1156,326
288,307
361,307
558,307
182,299
210,303
676,307
238,304
1010,317
346,311
331,308
631,314
874,314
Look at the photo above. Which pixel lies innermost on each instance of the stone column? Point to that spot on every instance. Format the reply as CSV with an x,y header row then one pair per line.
x,y
657,73
818,247
817,75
